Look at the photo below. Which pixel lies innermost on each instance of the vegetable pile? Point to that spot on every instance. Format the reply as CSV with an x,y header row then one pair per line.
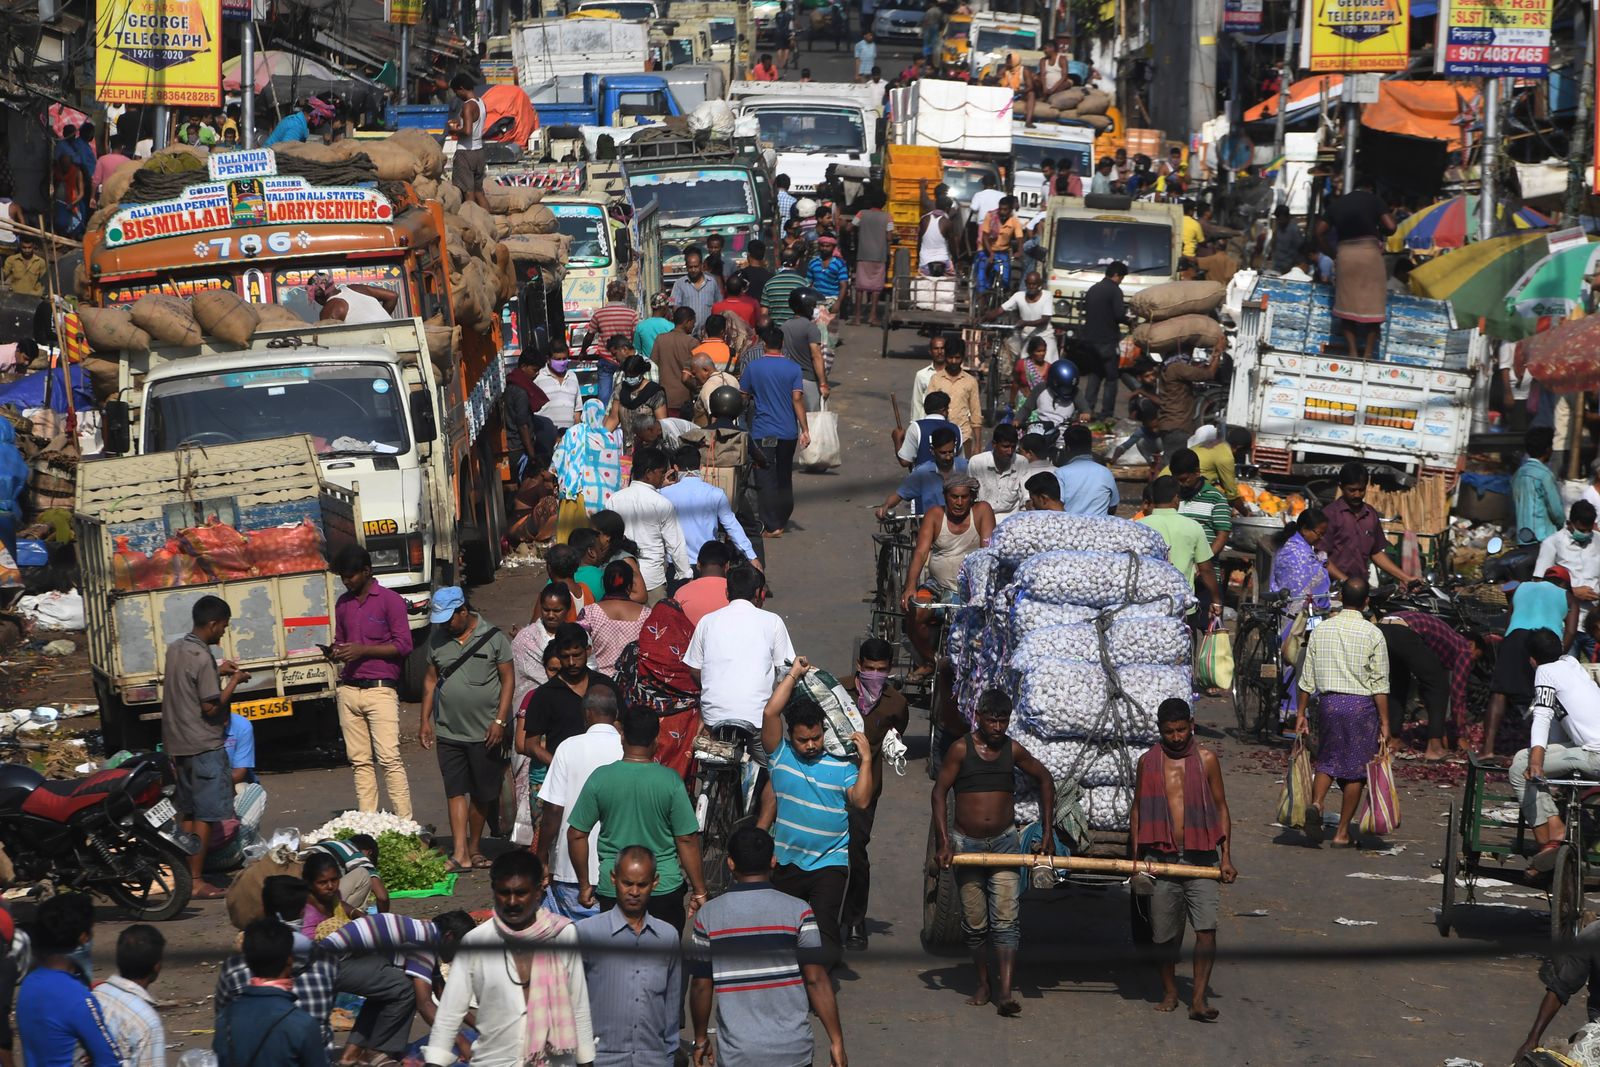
x,y
405,862
363,822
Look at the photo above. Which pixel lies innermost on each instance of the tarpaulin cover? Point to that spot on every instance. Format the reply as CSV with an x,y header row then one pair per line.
x,y
1304,92
1566,356
502,100
28,392
1420,109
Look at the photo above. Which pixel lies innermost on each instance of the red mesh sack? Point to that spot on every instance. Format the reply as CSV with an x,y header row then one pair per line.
x,y
287,549
218,549
165,568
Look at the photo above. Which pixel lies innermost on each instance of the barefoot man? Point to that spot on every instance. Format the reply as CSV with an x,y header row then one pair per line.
x,y
979,767
1180,815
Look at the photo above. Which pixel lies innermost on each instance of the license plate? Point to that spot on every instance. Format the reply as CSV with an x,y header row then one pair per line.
x,y
161,814
1269,670
272,708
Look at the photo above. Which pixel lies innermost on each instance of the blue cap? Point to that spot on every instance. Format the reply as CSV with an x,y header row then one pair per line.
x,y
445,603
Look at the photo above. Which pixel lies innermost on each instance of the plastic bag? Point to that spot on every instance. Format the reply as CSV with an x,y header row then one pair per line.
x,y
1213,664
823,451
1382,813
1295,799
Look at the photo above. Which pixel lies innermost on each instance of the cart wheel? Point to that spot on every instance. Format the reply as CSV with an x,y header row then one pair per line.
x,y
1566,894
941,906
1253,654
1449,867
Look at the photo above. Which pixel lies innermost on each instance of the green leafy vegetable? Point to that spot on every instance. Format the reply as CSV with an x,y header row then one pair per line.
x,y
405,862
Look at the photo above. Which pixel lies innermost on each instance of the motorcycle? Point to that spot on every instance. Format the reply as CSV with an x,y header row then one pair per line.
x,y
114,833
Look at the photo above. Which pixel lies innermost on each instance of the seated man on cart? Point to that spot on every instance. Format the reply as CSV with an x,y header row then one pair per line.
x,y
949,533
1562,692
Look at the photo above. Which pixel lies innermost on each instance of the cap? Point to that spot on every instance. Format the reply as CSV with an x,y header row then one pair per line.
x,y
1557,573
445,603
805,207
827,242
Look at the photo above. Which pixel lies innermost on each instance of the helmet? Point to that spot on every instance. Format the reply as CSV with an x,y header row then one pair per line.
x,y
1062,380
726,402
804,301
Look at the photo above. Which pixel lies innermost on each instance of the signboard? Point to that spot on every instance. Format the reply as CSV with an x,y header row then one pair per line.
x,y
402,12
1362,88
1352,36
1494,38
263,201
1242,16
159,52
243,163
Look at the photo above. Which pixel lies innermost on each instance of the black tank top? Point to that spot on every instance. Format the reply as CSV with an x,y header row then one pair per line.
x,y
978,775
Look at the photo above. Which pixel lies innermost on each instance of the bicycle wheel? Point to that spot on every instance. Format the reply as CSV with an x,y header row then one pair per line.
x,y
720,801
1255,678
1566,894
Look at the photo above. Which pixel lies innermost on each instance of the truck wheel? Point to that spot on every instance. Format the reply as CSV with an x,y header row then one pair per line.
x,y
477,555
414,670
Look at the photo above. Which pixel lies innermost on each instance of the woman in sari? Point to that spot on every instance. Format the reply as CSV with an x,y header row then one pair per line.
x,y
588,466
1301,571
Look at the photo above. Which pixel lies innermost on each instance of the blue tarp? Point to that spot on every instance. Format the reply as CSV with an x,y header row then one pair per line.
x,y
28,392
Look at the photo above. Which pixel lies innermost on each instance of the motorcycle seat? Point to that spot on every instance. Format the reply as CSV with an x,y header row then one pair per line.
x,y
58,801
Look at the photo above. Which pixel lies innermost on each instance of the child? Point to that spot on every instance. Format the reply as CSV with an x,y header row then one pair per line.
x,y
1144,410
325,911
586,543
369,849
263,1024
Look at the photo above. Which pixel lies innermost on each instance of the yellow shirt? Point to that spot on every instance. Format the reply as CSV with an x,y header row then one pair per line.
x,y
25,276
1216,467
1193,234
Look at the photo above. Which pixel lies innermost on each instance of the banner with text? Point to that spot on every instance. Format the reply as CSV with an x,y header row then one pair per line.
x,y
1242,16
402,12
1349,36
1494,38
159,52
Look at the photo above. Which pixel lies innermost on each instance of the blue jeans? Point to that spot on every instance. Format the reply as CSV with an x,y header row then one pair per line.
x,y
996,260
562,898
991,897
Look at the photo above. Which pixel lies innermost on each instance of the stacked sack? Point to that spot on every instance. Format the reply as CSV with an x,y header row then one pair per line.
x,y
1081,620
1182,315
1088,106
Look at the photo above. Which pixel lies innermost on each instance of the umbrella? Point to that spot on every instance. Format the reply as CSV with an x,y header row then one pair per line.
x,y
272,63
1565,357
1551,288
1451,224
1475,278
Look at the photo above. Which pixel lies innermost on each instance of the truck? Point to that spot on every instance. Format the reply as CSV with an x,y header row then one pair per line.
x,y
811,133
732,27
1084,234
434,508
992,35
597,257
1312,408
253,523
699,190
1055,142
602,99
547,48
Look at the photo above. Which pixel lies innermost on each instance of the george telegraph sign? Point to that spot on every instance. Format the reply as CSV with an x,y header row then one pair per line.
x,y
1494,38
261,201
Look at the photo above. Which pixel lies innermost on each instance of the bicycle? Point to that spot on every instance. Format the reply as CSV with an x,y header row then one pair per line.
x,y
895,541
1260,684
727,782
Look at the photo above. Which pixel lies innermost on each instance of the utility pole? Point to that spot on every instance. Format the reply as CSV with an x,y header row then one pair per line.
x,y
247,82
159,138
1580,151
402,81
1202,73
1352,133
1489,165
1281,119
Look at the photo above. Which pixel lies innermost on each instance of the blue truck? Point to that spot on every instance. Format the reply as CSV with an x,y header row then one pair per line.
x,y
603,99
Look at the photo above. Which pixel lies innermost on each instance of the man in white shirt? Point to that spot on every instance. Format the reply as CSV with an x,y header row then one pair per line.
x,y
936,413
651,522
924,378
1032,307
562,389
1562,690
985,200
1573,547
1000,475
129,1010
703,508
575,760
737,653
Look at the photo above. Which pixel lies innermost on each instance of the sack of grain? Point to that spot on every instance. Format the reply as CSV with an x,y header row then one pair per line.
x,y
395,163
1095,122
428,154
1171,299
543,248
537,219
450,196
112,330
277,317
456,246
225,314
512,199
465,305
313,151
1171,335
103,375
1067,99
1094,102
505,275
444,348
1046,111
480,220
167,319
426,189
117,184
244,893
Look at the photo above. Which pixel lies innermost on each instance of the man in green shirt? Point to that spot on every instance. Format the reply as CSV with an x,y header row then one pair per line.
x,y
639,802
1187,546
466,707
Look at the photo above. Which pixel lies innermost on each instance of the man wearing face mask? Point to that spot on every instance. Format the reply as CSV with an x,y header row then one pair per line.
x,y
1573,547
56,1013
562,389
884,711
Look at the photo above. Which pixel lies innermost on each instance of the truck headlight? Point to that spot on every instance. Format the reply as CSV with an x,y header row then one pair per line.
x,y
385,558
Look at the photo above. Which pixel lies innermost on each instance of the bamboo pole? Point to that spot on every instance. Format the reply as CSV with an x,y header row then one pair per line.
x,y
34,231
1083,863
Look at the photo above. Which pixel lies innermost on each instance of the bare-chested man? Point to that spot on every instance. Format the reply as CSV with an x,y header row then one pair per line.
x,y
1180,815
978,766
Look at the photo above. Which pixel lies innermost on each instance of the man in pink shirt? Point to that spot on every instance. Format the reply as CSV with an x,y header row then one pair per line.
x,y
709,591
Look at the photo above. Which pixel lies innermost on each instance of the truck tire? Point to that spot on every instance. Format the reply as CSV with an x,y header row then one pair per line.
x,y
414,669
477,555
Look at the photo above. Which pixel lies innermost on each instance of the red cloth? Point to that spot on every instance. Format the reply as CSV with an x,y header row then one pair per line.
x,y
675,742
522,380
1202,825
663,639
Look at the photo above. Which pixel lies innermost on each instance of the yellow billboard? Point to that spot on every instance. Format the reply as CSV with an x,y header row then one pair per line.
x,y
159,52
1356,36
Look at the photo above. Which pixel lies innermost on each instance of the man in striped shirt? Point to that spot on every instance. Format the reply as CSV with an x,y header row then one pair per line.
x,y
775,294
125,1001
814,790
1203,502
611,318
771,973
828,273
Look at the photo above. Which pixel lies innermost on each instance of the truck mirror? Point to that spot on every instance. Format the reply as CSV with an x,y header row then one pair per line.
x,y
423,425
118,436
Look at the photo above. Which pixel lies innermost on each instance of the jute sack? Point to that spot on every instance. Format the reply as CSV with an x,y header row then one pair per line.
x,y
1171,299
315,151
103,376
512,199
426,151
426,189
277,317
1185,331
394,162
537,219
1046,111
1094,103
112,329
1095,122
244,895
1067,99
538,247
505,276
166,318
480,220
223,313
444,348
118,182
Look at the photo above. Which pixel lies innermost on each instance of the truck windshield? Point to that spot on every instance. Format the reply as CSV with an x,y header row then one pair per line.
x,y
586,225
682,51
1084,244
724,32
996,40
1030,155
347,408
691,195
965,182
814,130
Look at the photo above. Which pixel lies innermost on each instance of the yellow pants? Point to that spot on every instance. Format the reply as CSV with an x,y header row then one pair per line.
x,y
370,719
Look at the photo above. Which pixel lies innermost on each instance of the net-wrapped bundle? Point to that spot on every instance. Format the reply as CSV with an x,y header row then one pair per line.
x,y
1028,615
1128,640
1030,533
1059,700
964,638
1089,762
1103,580
1105,806
976,584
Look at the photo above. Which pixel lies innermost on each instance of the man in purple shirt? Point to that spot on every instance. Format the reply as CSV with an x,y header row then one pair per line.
x,y
1355,532
372,638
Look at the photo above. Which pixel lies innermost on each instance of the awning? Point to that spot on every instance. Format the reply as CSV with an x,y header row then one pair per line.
x,y
1430,109
1303,95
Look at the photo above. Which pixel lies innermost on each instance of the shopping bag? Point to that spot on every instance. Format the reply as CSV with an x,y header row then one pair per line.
x,y
823,451
1213,664
1382,814
1296,795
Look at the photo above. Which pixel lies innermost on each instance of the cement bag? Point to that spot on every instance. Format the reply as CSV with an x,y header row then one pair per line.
x,y
1028,533
1067,99
1127,641
1059,700
512,199
715,116
1171,299
225,314
1172,335
112,330
422,146
244,894
1102,580
104,376
277,317
1094,102
537,219
167,319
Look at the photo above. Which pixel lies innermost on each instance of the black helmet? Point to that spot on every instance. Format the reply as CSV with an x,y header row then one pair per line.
x,y
804,301
726,402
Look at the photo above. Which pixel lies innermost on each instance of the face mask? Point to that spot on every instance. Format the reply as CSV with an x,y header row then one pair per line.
x,y
869,687
558,366
1582,538
82,958
631,382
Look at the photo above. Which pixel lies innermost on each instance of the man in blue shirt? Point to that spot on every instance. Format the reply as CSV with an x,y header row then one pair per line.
x,y
866,53
814,790
1534,492
1087,486
701,507
828,273
56,1013
292,127
924,486
772,383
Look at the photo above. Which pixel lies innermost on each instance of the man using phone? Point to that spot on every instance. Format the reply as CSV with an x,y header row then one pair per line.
x,y
372,638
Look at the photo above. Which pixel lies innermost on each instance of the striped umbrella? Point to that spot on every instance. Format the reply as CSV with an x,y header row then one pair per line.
x,y
1452,223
